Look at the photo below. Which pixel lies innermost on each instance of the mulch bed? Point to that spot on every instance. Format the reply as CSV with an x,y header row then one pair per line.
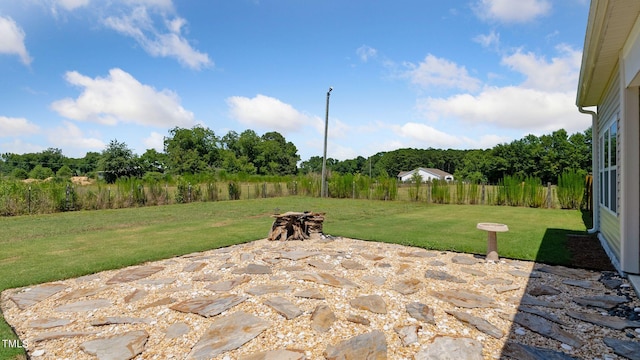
x,y
587,253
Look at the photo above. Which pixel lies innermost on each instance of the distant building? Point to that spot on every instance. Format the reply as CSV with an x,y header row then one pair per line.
x,y
427,174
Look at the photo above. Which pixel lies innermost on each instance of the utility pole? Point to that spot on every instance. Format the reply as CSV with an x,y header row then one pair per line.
x,y
323,187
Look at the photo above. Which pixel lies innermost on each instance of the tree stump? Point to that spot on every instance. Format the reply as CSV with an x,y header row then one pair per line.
x,y
296,226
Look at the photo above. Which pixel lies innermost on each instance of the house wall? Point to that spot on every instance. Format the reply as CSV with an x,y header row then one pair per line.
x,y
608,222
630,154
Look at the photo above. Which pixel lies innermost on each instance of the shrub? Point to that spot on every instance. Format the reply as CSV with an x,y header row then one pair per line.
x,y
571,184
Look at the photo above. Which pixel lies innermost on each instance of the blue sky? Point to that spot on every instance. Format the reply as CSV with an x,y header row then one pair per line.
x,y
464,74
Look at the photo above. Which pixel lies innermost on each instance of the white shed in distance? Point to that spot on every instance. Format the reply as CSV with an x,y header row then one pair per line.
x,y
427,174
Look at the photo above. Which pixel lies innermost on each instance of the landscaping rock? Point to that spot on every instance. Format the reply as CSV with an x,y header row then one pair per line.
x,y
407,286
31,296
284,307
421,312
451,348
133,274
627,348
118,347
373,303
370,346
209,306
322,318
480,324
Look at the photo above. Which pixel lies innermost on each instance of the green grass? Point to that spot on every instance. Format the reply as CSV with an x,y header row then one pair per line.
x,y
43,248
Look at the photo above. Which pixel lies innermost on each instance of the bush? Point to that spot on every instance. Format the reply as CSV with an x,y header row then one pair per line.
x,y
39,172
571,184
19,174
234,190
64,172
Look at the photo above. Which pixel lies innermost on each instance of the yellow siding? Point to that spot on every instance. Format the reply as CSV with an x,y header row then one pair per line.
x,y
610,229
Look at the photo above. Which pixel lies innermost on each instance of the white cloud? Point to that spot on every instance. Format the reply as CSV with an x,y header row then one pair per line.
x,y
71,5
267,112
560,74
121,98
154,141
427,136
69,136
511,11
366,52
491,39
16,127
12,40
510,107
438,72
167,42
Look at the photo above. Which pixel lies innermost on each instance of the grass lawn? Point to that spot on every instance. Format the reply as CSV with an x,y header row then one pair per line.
x,y
37,249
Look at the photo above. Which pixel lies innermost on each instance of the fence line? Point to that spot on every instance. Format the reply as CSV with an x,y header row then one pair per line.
x,y
17,198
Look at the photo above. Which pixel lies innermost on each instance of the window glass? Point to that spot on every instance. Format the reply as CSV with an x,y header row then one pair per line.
x,y
613,133
612,191
606,187
605,149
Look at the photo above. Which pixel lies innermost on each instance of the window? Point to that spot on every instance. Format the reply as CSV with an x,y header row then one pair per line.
x,y
608,165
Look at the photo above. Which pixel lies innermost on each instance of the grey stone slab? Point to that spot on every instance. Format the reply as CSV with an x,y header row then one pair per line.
x,y
626,348
518,273
228,285
421,312
585,284
31,296
417,254
160,302
328,279
54,335
136,295
369,346
465,298
133,274
177,330
112,320
443,276
321,265
544,314
206,277
357,319
578,274
322,318
118,347
209,306
226,334
496,281
310,294
451,348
255,269
296,255
284,307
472,271
532,301
374,279
464,260
407,286
541,290
527,352
194,266
373,303
408,334
268,289
84,305
437,263
48,323
280,354
505,288
547,328
611,322
79,293
352,265
480,324
372,257
157,282
611,283
601,301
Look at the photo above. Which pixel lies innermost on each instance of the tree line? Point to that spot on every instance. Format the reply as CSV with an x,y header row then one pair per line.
x,y
199,150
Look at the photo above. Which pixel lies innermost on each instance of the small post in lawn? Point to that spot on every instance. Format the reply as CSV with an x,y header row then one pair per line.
x,y
29,200
549,195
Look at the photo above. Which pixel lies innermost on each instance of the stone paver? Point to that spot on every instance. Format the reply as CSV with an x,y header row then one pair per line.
x,y
227,333
330,299
117,347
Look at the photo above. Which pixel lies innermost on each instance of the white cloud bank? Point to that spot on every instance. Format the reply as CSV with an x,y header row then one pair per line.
x,y
158,41
434,72
267,112
69,136
512,11
12,40
10,126
121,98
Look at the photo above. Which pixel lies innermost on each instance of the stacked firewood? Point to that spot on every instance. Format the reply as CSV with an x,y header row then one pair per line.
x,y
296,225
